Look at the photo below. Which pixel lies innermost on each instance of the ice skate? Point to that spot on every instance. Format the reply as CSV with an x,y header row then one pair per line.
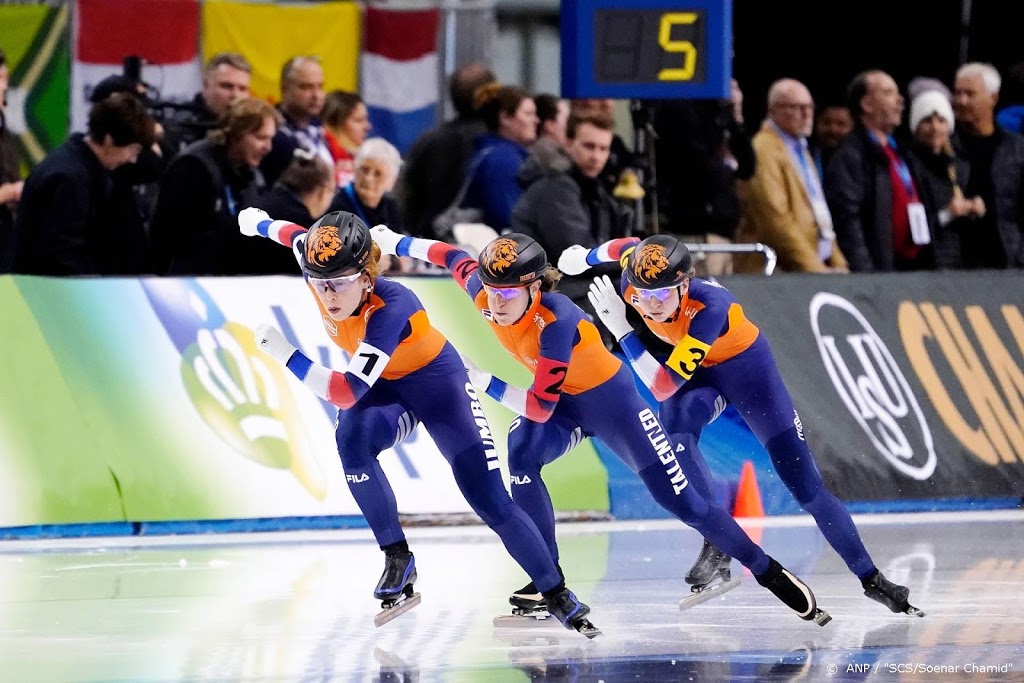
x,y
568,609
709,577
394,590
528,607
794,592
892,595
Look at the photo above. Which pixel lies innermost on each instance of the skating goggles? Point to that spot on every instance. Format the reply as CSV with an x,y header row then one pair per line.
x,y
661,294
334,284
504,293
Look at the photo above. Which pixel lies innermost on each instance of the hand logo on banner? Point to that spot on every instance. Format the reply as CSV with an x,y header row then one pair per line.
x,y
244,399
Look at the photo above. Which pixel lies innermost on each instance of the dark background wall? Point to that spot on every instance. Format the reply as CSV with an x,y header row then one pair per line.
x,y
906,38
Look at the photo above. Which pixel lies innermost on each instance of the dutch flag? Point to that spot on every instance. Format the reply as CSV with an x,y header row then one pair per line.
x,y
400,73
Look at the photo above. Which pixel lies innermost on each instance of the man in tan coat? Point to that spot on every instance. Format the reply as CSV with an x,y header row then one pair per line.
x,y
783,204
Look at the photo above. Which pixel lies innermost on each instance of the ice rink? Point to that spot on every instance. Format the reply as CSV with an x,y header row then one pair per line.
x,y
297,606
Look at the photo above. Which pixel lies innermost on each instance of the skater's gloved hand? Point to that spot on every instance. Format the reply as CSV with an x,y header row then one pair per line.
x,y
271,342
480,379
250,218
573,260
609,306
386,238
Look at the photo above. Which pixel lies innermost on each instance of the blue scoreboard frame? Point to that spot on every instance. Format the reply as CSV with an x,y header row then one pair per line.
x,y
646,49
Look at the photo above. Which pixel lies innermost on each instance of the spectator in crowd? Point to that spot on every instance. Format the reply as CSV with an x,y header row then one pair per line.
x,y
226,80
940,174
566,203
996,158
879,220
552,117
346,125
832,123
619,157
194,229
702,150
1011,99
134,186
64,224
783,204
10,171
302,102
511,119
436,165
369,195
303,192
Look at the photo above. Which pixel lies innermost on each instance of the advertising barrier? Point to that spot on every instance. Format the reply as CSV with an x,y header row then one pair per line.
x,y
147,400
908,386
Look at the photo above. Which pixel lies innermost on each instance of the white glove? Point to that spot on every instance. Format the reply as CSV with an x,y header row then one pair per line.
x,y
480,379
386,238
271,342
250,218
609,306
573,260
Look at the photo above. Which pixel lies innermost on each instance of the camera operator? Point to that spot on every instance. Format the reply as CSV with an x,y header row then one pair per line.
x,y
195,229
225,81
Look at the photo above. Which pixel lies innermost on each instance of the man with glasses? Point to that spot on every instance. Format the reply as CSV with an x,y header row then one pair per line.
x,y
579,389
719,357
782,204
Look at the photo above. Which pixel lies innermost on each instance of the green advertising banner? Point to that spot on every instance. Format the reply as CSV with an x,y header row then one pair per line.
x,y
37,42
147,400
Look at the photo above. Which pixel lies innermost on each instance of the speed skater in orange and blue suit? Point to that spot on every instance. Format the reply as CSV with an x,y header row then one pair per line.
x,y
402,372
719,357
579,389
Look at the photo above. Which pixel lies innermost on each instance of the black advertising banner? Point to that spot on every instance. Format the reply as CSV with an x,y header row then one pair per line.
x,y
907,385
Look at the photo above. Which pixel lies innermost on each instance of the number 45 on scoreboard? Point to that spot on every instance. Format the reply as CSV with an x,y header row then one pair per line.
x,y
646,49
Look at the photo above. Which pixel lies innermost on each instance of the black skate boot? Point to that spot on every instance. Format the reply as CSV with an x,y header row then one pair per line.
x,y
892,595
567,608
794,592
709,577
394,590
527,600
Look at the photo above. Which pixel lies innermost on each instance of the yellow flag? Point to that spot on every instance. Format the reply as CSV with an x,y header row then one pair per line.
x,y
268,35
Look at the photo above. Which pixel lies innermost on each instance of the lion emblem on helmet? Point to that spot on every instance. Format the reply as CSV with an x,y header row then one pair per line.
x,y
322,244
501,254
650,261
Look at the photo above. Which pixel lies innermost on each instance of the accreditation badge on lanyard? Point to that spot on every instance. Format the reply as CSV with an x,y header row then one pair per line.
x,y
919,232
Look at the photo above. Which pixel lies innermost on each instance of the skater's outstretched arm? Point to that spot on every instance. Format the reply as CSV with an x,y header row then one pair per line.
x,y
463,267
538,402
253,222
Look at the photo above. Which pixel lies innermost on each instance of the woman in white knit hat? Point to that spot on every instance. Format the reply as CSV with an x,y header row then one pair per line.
x,y
941,177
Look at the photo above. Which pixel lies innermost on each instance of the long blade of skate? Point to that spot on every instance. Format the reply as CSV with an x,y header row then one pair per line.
x,y
538,619
398,610
710,593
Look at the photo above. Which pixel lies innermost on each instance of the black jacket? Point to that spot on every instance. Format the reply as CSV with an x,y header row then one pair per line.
x,y
434,170
195,228
66,221
1007,183
562,207
858,189
284,205
9,173
935,187
385,213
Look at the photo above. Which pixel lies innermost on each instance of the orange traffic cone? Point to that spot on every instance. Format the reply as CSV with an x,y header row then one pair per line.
x,y
748,496
748,503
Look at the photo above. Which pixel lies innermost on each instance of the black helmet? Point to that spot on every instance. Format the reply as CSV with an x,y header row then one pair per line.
x,y
337,244
659,261
512,260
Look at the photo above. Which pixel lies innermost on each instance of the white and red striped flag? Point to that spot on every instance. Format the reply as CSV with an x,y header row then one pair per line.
x,y
399,72
165,33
